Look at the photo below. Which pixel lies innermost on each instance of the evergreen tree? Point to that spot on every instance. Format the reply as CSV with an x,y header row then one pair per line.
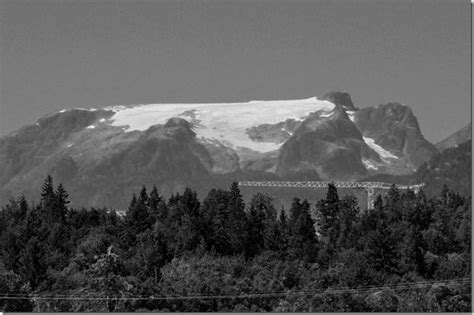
x,y
191,203
33,265
60,204
11,247
157,206
221,239
381,249
303,242
138,217
188,228
237,218
260,214
394,204
295,210
348,218
255,232
328,215
48,200
215,227
47,192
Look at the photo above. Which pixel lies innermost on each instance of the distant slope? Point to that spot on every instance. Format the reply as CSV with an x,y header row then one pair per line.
x,y
452,167
462,135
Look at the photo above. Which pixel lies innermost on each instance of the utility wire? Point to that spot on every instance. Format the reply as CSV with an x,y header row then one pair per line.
x,y
413,285
360,288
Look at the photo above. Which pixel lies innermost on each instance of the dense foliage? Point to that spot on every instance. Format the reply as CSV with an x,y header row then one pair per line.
x,y
410,253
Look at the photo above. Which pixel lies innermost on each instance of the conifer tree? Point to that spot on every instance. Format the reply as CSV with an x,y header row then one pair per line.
x,y
138,217
329,212
295,209
60,204
157,206
348,217
221,239
284,231
381,249
191,203
154,200
303,240
255,232
32,260
47,191
237,217
48,199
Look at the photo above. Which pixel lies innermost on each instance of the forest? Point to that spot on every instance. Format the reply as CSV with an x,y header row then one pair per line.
x,y
410,253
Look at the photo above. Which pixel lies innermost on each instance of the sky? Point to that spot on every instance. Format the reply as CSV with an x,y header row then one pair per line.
x,y
57,54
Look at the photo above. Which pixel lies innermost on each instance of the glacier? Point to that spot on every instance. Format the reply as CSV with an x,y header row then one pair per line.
x,y
224,122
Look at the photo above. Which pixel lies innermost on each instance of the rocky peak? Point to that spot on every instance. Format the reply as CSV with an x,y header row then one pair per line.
x,y
339,98
177,122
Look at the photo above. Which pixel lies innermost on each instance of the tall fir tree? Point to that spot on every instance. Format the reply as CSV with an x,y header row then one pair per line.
x,y
48,199
157,206
237,218
60,203
303,242
259,218
328,214
138,216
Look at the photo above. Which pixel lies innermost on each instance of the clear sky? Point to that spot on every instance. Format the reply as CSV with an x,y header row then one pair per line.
x,y
64,54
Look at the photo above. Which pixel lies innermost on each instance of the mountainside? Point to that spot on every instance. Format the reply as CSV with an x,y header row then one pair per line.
x,y
462,135
394,127
103,155
452,167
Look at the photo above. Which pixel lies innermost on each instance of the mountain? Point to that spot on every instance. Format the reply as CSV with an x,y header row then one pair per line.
x,y
103,155
452,167
460,136
394,127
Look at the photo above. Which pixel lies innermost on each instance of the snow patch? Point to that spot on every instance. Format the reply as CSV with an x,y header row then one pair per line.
x,y
351,114
288,132
384,154
225,122
326,114
369,164
85,109
70,145
91,127
102,120
62,110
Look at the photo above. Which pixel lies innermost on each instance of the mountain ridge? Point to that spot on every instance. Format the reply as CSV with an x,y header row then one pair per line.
x,y
102,155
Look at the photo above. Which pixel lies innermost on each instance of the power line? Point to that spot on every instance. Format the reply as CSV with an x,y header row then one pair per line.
x,y
368,289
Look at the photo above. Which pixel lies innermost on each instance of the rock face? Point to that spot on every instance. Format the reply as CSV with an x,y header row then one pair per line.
x,y
331,146
394,127
462,135
103,156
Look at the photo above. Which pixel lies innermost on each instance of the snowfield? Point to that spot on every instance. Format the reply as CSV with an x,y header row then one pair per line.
x,y
385,155
224,122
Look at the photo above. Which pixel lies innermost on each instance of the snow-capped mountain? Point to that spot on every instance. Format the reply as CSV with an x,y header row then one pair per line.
x,y
102,155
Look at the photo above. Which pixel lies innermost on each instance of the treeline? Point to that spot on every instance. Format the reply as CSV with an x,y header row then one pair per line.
x,y
408,254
